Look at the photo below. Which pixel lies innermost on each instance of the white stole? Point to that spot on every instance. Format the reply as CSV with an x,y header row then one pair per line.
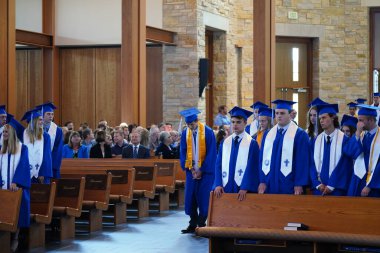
x,y
287,149
36,154
335,150
195,148
15,159
253,128
241,161
359,167
52,132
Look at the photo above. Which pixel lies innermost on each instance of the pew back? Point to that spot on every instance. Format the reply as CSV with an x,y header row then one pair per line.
x,y
42,201
70,192
10,208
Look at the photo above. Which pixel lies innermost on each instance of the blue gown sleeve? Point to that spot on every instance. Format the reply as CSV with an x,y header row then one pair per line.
x,y
57,152
183,150
250,180
84,152
46,166
301,156
208,164
353,148
22,172
218,168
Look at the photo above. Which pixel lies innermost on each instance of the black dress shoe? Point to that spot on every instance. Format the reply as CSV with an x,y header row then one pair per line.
x,y
188,230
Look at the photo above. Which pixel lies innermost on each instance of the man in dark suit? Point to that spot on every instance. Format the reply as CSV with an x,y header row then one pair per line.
x,y
135,150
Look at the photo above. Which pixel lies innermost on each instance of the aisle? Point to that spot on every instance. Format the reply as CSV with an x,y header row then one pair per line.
x,y
157,234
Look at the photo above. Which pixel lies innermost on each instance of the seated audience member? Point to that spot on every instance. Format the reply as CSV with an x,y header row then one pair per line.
x,y
161,127
135,149
118,137
176,139
131,128
102,127
144,133
124,127
168,127
222,117
88,137
221,135
348,125
293,115
66,137
103,122
101,149
69,125
164,149
154,134
109,139
64,131
74,149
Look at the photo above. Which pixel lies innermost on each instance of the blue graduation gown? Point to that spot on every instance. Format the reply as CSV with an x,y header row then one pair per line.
x,y
68,152
356,185
197,192
250,180
56,154
340,177
22,179
46,166
276,182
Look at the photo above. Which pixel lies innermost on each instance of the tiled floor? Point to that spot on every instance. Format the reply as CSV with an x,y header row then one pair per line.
x,y
159,233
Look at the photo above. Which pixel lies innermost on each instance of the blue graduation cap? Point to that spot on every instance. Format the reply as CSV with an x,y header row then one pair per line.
x,y
16,126
2,110
46,107
348,120
316,101
240,112
368,110
283,104
266,112
258,105
360,100
352,104
328,108
376,94
190,114
30,115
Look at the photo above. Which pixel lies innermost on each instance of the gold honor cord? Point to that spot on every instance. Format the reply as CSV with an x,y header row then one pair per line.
x,y
371,156
202,146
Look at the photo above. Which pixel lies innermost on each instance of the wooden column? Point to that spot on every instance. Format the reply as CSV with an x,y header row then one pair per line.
x,y
133,62
50,62
8,54
264,50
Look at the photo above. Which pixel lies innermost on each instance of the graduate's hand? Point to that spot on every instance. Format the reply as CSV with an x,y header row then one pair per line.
x,y
262,188
218,191
326,191
41,179
198,174
242,194
359,128
365,191
322,188
13,187
298,190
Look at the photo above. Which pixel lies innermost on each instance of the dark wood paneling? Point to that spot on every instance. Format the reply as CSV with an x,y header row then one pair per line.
x,y
22,87
161,36
107,94
78,85
154,84
35,78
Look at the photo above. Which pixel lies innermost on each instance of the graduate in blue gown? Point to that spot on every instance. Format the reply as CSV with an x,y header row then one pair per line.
x,y
265,124
56,136
197,157
237,163
39,149
331,161
14,170
3,119
252,128
313,128
348,125
284,155
365,180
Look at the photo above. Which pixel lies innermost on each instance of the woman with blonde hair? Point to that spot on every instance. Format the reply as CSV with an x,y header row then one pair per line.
x,y
14,170
39,148
74,149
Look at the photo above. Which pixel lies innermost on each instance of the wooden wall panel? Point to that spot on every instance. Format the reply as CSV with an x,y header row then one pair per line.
x,y
22,88
78,85
154,85
35,78
107,94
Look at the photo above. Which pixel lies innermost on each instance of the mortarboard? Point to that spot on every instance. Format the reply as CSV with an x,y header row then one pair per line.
x,y
16,126
266,112
240,112
32,114
349,121
46,107
316,101
190,114
2,110
258,105
368,110
352,104
328,108
361,100
283,104
376,94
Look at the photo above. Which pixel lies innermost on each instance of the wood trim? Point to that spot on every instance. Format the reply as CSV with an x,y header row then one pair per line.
x,y
209,88
372,12
142,64
160,36
33,38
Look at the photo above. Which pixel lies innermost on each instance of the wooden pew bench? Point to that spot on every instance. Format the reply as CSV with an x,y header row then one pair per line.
x,y
256,224
68,205
180,185
122,184
9,212
165,183
41,212
95,198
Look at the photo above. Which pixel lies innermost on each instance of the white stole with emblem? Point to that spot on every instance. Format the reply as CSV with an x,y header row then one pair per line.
x,y
253,128
195,148
36,154
241,161
52,132
287,149
359,167
335,150
15,159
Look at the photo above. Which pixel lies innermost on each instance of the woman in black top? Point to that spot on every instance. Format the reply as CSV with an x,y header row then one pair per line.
x,y
165,149
101,149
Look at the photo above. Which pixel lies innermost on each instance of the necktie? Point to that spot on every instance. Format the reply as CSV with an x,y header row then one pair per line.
x,y
236,140
328,140
135,152
195,138
281,131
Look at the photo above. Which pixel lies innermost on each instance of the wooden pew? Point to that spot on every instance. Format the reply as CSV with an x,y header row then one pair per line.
x,y
68,204
9,212
122,185
166,176
256,224
95,199
180,185
41,212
